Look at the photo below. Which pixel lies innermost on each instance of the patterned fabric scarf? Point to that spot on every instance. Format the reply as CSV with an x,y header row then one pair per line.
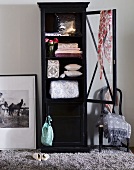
x,y
116,129
105,38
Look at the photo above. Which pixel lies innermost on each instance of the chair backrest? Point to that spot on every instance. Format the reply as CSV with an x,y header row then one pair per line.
x,y
103,91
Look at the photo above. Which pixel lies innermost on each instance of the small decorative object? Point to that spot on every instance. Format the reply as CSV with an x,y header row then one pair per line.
x,y
52,34
46,43
72,73
67,45
53,69
44,156
51,46
68,50
47,132
64,89
62,75
55,44
41,156
72,67
66,25
37,156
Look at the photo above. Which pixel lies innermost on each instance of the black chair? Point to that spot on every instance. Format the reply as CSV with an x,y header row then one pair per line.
x,y
100,123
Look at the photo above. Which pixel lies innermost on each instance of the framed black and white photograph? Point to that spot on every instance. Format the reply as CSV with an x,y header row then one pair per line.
x,y
18,111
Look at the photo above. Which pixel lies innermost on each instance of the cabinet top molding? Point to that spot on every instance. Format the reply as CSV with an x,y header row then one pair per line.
x,y
64,5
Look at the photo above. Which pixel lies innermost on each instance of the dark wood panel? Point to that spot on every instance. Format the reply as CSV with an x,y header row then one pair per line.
x,y
67,129
66,109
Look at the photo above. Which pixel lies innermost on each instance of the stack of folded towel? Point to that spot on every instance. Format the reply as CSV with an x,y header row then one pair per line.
x,y
68,50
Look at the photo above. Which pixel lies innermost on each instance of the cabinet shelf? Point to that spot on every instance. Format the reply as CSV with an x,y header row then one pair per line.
x,y
66,78
59,58
64,100
67,117
62,36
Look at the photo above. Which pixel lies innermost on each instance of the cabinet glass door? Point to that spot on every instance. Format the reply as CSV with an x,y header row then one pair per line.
x,y
101,54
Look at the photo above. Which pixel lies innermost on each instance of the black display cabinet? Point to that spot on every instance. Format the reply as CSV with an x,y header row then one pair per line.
x,y
69,115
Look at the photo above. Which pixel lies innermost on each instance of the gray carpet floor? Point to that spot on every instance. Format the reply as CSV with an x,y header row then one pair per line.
x,y
106,160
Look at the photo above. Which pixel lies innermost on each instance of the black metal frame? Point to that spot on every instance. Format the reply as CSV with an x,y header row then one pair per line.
x,y
100,128
113,97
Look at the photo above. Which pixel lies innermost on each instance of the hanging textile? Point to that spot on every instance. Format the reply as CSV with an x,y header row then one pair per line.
x,y
105,38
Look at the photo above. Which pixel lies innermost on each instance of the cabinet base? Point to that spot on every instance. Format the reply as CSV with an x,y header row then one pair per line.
x,y
65,149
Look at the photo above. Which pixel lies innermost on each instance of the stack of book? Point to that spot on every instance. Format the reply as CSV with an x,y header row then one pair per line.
x,y
68,50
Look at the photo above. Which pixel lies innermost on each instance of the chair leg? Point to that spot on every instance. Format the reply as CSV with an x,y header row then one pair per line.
x,y
127,144
100,137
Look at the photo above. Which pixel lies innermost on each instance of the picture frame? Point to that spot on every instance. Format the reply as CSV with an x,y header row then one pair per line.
x,y
18,111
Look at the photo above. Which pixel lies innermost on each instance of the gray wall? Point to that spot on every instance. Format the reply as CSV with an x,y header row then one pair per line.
x,y
20,48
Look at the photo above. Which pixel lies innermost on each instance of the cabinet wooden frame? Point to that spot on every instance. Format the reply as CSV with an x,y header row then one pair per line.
x,y
74,119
